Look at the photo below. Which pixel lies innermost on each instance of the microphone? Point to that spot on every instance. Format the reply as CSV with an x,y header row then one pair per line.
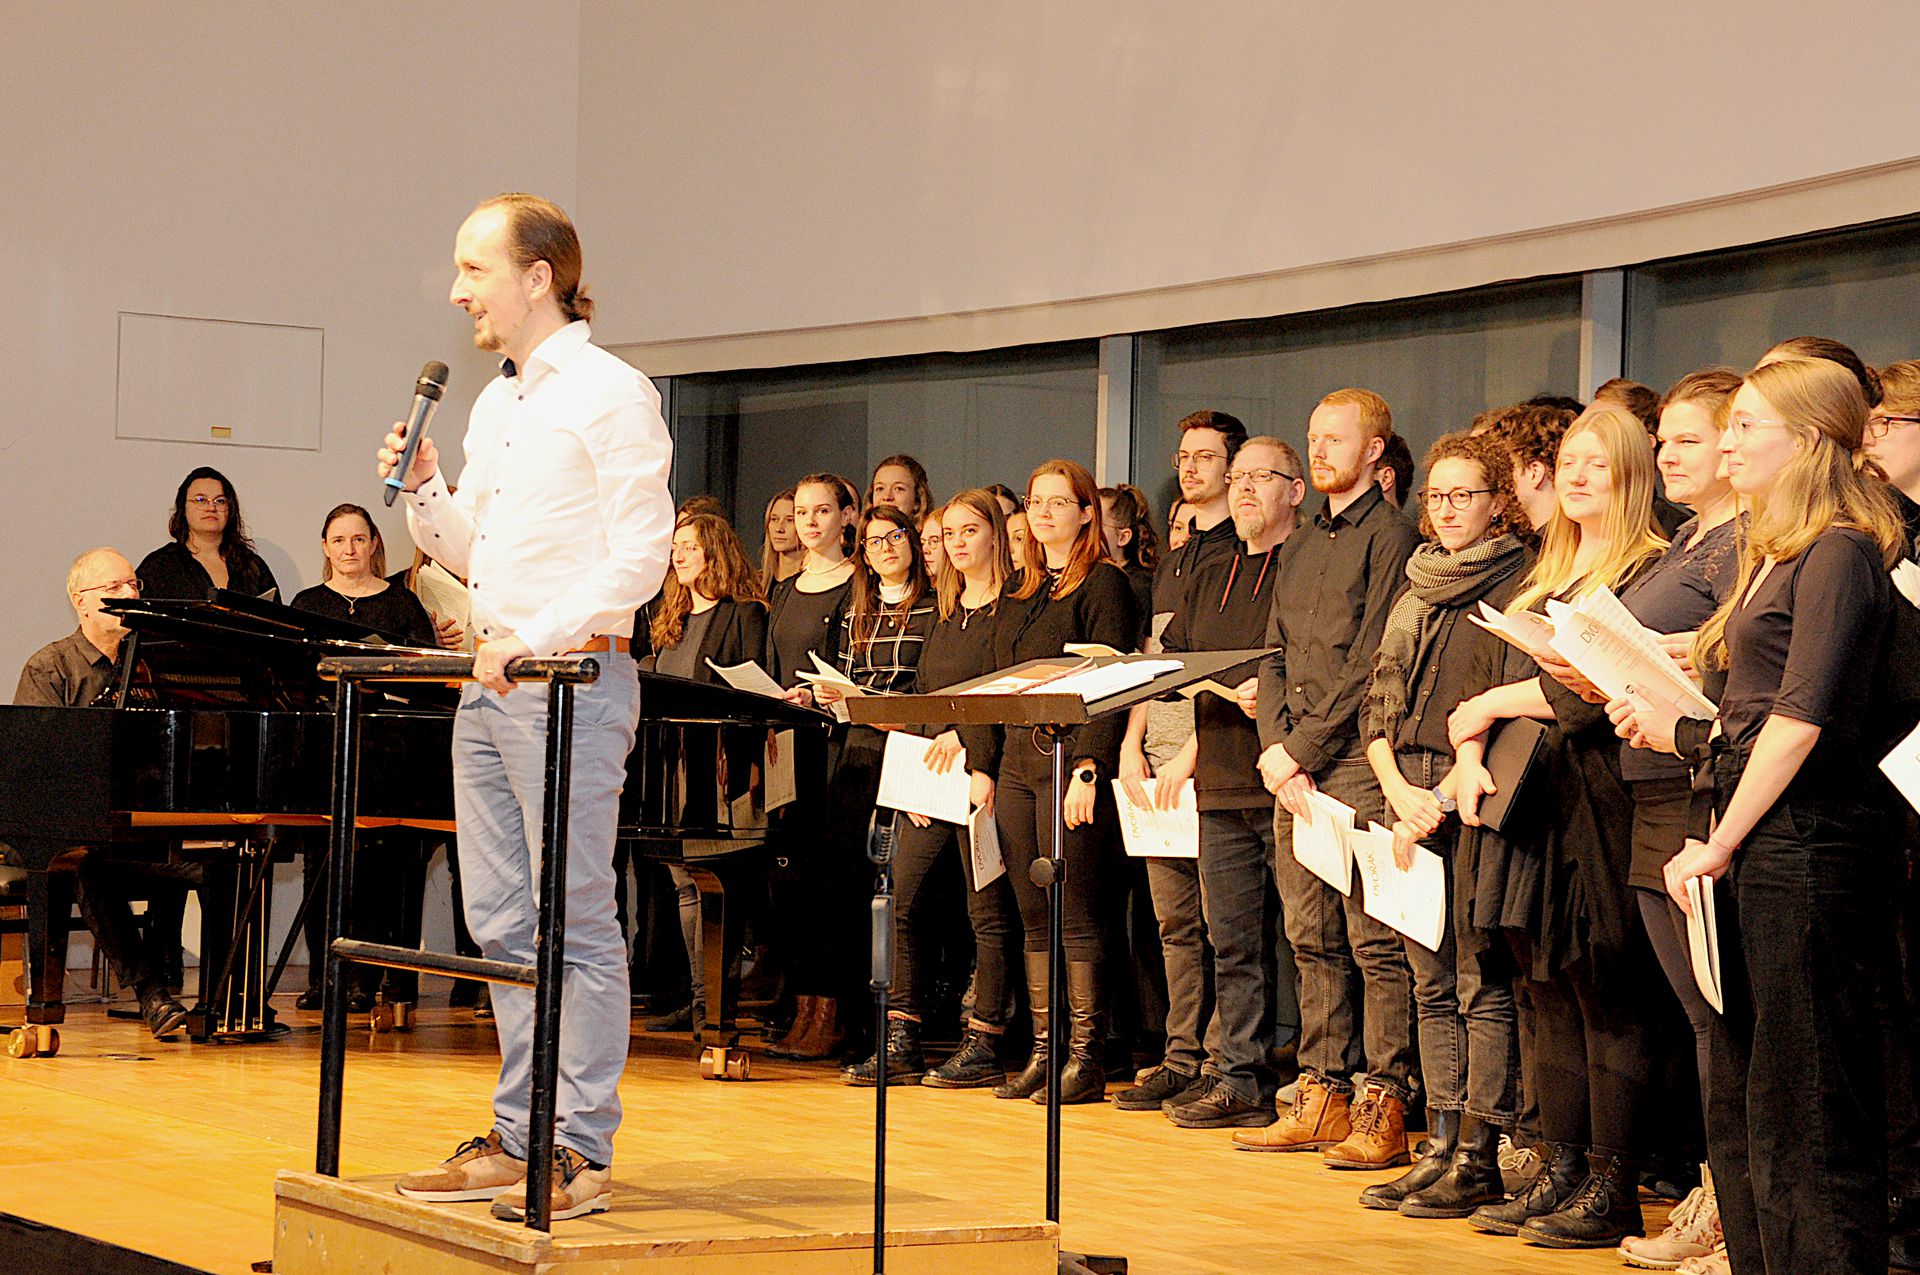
x,y
426,396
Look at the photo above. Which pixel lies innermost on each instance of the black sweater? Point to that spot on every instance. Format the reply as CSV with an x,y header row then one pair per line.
x,y
1225,610
171,572
1100,610
958,649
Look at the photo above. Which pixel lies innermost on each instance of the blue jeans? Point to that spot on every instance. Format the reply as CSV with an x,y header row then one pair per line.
x,y
1255,983
499,793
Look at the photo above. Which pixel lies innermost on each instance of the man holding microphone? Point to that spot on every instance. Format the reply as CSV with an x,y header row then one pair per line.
x,y
561,526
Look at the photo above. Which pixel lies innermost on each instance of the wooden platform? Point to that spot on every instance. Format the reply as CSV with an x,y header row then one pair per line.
x,y
174,1150
699,1223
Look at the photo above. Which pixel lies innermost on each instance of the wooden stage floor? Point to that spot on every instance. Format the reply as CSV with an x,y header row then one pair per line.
x,y
171,1149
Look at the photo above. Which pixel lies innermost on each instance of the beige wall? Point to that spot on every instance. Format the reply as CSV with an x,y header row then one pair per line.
x,y
892,176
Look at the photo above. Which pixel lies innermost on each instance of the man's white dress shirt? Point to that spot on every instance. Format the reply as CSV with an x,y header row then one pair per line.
x,y
563,522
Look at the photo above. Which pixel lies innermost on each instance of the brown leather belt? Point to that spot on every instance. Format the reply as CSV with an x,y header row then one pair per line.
x,y
603,644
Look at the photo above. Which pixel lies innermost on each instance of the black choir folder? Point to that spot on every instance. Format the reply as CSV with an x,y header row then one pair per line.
x,y
1515,751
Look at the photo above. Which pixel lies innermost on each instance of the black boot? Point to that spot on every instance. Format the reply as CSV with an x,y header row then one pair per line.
x,y
904,1064
975,1065
1083,1076
1443,1136
1604,1211
1563,1168
1033,1077
1473,1179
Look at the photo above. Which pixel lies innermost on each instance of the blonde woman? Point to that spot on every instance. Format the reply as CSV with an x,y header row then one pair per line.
x,y
1561,895
781,553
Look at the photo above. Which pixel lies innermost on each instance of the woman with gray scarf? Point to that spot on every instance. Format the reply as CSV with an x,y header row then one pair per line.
x,y
1468,1047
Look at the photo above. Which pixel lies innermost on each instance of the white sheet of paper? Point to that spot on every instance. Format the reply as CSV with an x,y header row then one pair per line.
x,y
782,790
1526,630
1902,767
1906,578
1148,832
1413,902
1703,942
908,783
1320,842
1621,656
445,595
1110,679
748,677
983,848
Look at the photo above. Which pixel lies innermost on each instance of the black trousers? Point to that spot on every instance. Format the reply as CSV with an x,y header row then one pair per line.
x,y
105,894
1796,1120
995,920
1023,808
823,895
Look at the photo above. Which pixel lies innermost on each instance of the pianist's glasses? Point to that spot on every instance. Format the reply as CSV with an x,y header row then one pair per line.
x,y
129,585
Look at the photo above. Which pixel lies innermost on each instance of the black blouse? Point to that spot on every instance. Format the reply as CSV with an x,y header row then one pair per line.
x,y
959,649
1813,672
171,572
799,623
1100,610
394,613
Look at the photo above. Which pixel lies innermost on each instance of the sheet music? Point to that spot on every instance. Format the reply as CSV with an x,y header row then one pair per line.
x,y
1525,630
1621,656
1413,902
1110,679
1320,842
983,849
1152,833
1906,578
1090,650
1902,767
1703,942
445,596
748,677
908,783
1030,681
782,790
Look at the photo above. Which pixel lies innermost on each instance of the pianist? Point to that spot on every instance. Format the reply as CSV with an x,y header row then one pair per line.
x,y
561,525
72,673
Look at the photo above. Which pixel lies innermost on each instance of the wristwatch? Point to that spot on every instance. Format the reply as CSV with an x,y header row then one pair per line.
x,y
1086,774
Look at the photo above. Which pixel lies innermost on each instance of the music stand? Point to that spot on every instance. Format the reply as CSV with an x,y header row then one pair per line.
x,y
1052,713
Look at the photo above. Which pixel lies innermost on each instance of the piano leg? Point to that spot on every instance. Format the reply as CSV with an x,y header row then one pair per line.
x,y
49,917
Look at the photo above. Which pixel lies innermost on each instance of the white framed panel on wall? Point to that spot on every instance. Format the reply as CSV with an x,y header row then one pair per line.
x,y
225,381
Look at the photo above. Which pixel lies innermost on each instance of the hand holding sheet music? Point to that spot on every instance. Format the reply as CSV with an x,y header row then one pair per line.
x,y
1413,900
748,677
1621,656
1321,842
908,783
1150,832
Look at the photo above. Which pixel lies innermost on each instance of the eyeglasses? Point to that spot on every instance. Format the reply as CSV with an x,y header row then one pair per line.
x,y
1459,497
207,502
1052,504
1740,426
1258,477
1879,426
1182,459
130,585
897,536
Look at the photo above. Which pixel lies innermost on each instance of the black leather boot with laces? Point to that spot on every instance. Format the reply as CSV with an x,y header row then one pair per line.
x,y
974,1065
1562,1171
904,1063
1604,1211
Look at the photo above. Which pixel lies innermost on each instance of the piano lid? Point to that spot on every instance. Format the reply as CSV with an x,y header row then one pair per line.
x,y
237,651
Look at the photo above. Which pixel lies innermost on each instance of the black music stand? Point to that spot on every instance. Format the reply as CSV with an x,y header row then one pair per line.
x,y
1051,714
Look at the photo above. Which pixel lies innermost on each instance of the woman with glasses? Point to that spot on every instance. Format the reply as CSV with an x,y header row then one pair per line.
x,y
209,548
1893,439
932,551
1554,880
1068,592
1428,654
1808,869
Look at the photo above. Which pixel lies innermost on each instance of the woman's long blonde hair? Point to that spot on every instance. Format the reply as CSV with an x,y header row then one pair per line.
x,y
1628,525
984,505
1828,482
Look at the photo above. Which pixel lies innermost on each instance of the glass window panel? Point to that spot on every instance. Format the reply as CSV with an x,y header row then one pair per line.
x,y
1437,361
971,419
1858,286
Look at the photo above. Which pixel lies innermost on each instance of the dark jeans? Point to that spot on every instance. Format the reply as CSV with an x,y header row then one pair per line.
x,y
1175,886
1023,807
916,851
1256,1007
105,893
1334,941
1796,1126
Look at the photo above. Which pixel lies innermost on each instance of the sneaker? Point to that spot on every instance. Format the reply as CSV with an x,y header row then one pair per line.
x,y
1223,1108
578,1189
479,1169
1153,1087
1714,1263
1517,1164
1199,1087
163,1013
1693,1230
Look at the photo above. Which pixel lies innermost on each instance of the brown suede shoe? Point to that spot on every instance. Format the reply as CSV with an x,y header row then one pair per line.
x,y
479,1170
1318,1118
1378,1139
578,1189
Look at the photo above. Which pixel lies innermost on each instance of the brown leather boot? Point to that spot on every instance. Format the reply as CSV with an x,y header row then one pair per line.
x,y
1319,1117
1378,1139
805,1010
824,1035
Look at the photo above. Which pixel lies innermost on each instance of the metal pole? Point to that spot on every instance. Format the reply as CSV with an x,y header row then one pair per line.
x,y
550,956
1056,971
333,1002
882,917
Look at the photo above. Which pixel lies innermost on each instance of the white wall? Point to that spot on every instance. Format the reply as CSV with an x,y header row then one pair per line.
x,y
772,167
299,164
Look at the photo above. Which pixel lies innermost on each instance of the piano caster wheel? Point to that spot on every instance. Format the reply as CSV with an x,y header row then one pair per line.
x,y
717,1062
392,1016
33,1042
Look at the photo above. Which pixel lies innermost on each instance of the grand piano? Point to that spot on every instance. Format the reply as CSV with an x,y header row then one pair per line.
x,y
214,742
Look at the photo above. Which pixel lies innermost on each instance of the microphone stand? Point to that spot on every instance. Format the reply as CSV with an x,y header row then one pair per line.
x,y
880,851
